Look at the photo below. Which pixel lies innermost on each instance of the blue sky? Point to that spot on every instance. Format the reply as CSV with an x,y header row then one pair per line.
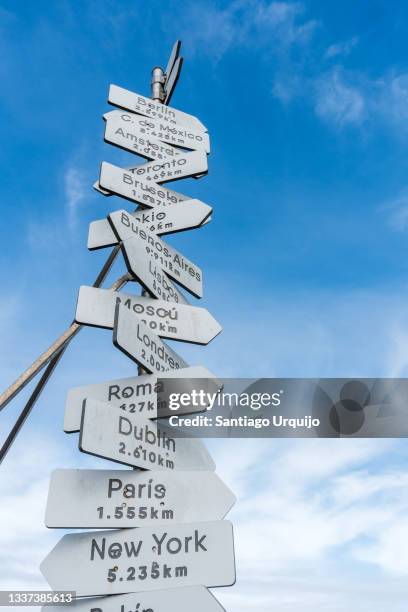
x,y
305,261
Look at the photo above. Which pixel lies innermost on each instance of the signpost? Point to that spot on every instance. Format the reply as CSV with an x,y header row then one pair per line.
x,y
134,338
145,559
168,220
151,108
137,441
145,251
105,499
139,394
96,307
175,500
178,136
126,184
195,598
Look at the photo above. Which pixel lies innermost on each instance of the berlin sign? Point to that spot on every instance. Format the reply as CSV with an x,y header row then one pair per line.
x,y
123,98
134,338
137,441
146,249
139,394
168,220
104,499
126,184
176,136
96,307
144,559
196,598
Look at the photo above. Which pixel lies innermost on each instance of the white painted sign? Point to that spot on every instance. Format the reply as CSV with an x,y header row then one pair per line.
x,y
136,441
178,136
139,394
166,220
134,338
96,307
145,559
144,250
195,598
104,499
150,108
126,184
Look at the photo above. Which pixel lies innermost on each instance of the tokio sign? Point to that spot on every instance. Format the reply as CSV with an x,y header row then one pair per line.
x,y
130,126
123,98
130,186
196,598
139,394
134,338
168,220
96,307
104,499
144,559
134,440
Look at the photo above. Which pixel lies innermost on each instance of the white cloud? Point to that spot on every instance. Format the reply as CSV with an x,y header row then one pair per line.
x,y
309,514
342,48
338,101
76,189
206,28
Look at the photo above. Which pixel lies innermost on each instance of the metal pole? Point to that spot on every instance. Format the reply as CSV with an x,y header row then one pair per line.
x,y
157,91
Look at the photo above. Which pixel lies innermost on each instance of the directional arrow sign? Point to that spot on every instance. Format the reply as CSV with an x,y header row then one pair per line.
x,y
124,129
172,79
144,250
168,220
195,598
178,321
94,499
139,394
145,559
175,52
126,184
150,108
136,441
134,338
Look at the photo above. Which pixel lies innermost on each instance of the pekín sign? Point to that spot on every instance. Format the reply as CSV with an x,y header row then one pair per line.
x,y
196,598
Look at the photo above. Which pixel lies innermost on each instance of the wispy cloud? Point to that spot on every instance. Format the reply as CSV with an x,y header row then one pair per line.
x,y
397,211
308,505
342,48
338,101
76,190
209,29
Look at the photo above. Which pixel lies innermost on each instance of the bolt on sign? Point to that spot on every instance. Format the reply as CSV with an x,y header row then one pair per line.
x,y
182,546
